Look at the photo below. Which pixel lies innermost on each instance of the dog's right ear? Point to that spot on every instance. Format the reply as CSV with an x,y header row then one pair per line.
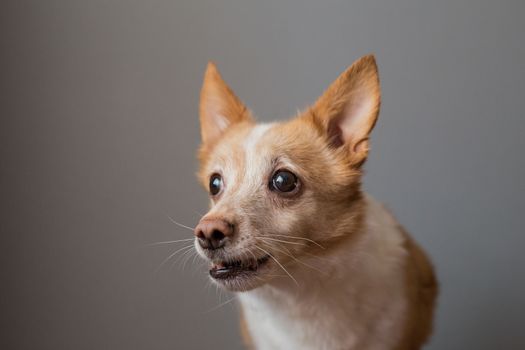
x,y
219,107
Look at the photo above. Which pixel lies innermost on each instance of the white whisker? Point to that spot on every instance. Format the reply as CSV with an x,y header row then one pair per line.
x,y
301,238
168,242
253,255
281,241
294,258
188,257
180,225
182,258
278,263
220,305
172,255
194,257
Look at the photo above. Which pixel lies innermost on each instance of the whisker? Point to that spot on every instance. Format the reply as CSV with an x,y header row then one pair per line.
x,y
182,257
180,225
220,305
278,263
168,242
194,257
171,256
321,258
282,241
299,261
271,275
188,257
250,251
301,238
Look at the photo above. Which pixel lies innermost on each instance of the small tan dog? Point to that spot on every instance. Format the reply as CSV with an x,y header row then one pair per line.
x,y
318,263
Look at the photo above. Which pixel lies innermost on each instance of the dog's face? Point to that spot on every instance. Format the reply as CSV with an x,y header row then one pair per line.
x,y
281,192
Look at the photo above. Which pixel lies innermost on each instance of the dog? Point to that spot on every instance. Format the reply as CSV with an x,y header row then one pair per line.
x,y
316,263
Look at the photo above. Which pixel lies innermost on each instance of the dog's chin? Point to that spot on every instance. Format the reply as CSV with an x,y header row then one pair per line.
x,y
241,274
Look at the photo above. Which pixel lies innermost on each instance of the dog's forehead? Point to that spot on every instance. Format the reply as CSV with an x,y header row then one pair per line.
x,y
254,149
245,147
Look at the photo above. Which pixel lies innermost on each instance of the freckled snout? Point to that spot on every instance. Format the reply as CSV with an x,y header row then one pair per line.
x,y
213,233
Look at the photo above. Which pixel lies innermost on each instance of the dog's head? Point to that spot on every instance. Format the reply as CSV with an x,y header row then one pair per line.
x,y
280,192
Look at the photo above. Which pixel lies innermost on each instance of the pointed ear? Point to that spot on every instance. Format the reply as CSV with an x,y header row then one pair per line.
x,y
219,107
348,109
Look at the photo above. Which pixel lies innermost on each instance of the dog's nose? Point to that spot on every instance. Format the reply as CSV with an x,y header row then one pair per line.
x,y
213,233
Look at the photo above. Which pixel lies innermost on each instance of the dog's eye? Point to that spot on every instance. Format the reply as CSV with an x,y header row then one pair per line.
x,y
215,184
284,181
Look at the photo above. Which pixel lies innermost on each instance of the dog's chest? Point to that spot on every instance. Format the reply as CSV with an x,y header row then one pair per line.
x,y
343,325
273,327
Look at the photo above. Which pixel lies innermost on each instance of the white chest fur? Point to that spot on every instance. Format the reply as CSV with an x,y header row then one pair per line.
x,y
359,304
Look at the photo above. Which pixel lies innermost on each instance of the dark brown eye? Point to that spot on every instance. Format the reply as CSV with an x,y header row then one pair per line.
x,y
215,184
284,181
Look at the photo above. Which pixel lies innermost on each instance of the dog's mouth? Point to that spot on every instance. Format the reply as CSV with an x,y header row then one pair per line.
x,y
230,270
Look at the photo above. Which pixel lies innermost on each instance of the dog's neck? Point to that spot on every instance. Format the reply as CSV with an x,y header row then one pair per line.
x,y
351,284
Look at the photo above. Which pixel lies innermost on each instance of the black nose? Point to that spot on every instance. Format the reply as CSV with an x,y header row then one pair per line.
x,y
213,233
216,241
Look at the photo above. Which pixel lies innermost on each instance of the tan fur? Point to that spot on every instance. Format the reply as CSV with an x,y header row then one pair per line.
x,y
360,82
381,288
245,333
422,290
218,103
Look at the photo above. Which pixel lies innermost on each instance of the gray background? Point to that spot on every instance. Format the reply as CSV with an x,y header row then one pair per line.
x,y
99,132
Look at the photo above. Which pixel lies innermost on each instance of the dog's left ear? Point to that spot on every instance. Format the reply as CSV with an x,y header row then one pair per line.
x,y
348,109
219,107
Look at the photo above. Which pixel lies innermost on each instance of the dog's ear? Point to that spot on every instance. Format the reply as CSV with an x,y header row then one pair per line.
x,y
219,107
348,109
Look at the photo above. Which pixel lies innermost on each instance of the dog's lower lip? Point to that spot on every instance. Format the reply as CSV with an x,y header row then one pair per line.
x,y
233,269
